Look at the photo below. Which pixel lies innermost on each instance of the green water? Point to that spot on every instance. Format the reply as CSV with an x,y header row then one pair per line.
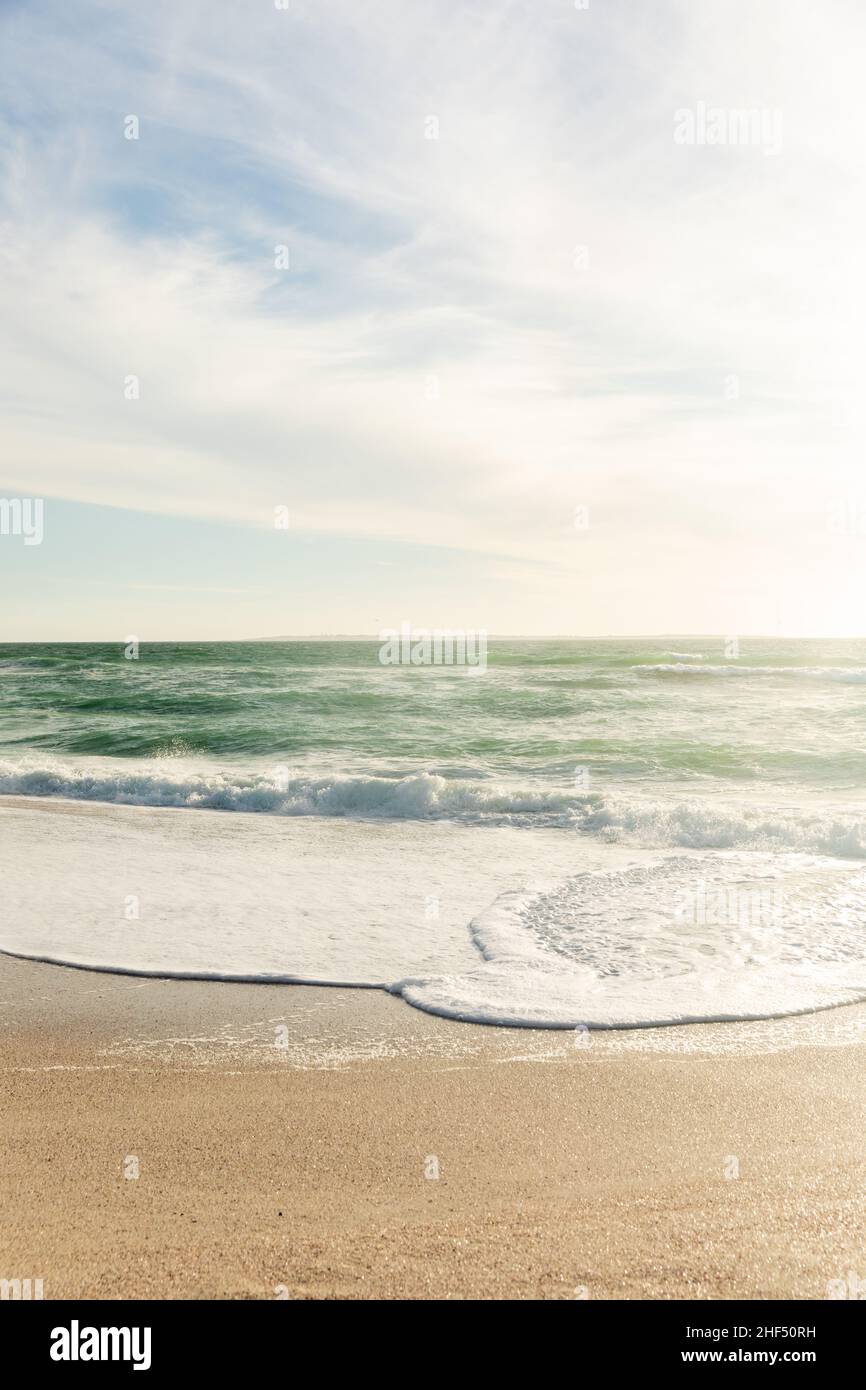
x,y
789,712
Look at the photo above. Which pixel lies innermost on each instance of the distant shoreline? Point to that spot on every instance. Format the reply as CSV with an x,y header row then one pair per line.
x,y
376,637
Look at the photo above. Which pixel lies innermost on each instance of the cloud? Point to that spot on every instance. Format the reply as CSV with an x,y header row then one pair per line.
x,y
551,304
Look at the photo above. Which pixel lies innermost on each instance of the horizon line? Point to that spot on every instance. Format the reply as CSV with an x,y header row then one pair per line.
x,y
495,636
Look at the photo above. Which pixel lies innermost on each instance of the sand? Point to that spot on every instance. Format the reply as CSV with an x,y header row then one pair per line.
x,y
284,1137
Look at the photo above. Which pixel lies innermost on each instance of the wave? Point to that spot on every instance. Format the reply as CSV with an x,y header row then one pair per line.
x,y
646,821
418,796
706,825
852,675
609,949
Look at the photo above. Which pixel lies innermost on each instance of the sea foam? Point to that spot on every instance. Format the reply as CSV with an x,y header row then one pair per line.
x,y
652,821
531,930
628,948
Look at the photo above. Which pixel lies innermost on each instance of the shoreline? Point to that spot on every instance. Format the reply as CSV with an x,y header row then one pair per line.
x,y
165,1137
292,1163
255,900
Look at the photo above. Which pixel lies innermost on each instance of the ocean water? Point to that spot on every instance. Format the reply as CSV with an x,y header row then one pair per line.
x,y
585,833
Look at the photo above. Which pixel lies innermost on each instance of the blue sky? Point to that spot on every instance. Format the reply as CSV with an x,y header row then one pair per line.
x,y
550,305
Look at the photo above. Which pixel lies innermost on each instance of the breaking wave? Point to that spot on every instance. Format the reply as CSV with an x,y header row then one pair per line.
x,y
847,675
697,823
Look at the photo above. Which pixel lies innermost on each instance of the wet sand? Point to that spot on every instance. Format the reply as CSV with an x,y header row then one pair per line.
x,y
287,1141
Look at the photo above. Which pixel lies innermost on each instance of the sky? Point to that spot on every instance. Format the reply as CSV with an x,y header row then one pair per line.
x,y
481,299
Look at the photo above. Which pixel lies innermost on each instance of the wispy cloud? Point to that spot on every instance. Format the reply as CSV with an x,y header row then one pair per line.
x,y
551,305
192,589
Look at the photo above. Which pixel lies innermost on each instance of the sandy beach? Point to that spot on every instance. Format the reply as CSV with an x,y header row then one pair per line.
x,y
283,1137
432,668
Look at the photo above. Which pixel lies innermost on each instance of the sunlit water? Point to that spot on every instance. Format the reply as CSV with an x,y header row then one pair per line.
x,y
583,834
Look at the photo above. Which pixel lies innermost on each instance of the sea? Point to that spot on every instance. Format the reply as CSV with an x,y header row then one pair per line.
x,y
571,834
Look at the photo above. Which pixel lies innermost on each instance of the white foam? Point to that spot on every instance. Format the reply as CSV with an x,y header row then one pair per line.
x,y
628,948
676,820
565,931
203,895
850,675
422,795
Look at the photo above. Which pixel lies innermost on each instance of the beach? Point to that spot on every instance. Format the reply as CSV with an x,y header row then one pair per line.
x,y
294,1164
432,671
324,979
